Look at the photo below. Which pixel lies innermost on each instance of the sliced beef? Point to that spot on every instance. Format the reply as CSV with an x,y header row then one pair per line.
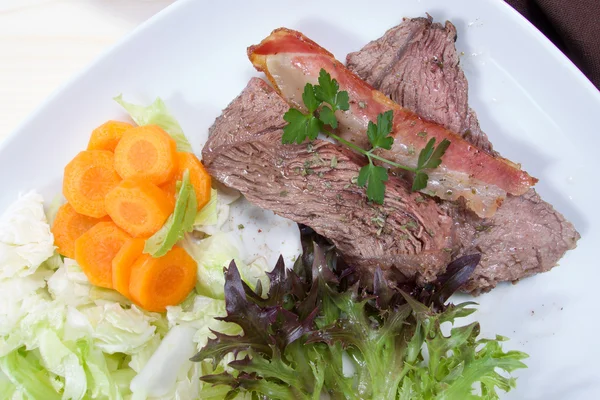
x,y
525,237
312,185
416,64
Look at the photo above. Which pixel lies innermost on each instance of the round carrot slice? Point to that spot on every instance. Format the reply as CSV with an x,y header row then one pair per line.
x,y
199,178
160,282
138,207
87,180
68,226
107,135
146,152
95,250
122,263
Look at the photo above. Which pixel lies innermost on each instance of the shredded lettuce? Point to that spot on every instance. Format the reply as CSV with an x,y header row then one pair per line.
x,y
28,376
64,362
160,373
216,223
17,296
212,255
52,208
61,337
169,372
107,375
212,218
25,237
157,114
80,343
120,330
178,223
200,315
227,195
7,388
208,214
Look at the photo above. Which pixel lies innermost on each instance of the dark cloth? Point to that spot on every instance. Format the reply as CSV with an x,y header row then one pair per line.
x,y
573,25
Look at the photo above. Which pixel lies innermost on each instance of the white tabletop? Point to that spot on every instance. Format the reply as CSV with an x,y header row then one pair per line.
x,y
44,42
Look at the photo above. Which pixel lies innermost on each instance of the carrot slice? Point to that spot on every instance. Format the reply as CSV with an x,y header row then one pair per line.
x,y
199,178
68,226
138,207
122,263
146,152
107,135
95,250
160,282
88,178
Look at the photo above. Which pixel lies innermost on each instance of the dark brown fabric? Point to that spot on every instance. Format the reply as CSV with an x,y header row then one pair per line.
x,y
573,25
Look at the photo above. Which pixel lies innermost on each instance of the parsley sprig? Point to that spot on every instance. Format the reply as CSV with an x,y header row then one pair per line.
x,y
321,102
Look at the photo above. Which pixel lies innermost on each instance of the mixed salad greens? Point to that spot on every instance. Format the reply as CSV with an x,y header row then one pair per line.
x,y
319,331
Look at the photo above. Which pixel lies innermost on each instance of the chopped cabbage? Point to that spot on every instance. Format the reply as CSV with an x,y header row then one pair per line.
x,y
157,114
208,214
212,254
178,223
63,338
25,237
215,214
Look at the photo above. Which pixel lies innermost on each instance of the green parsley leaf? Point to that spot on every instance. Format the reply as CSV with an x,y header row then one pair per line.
x,y
420,181
425,153
314,127
374,177
300,126
327,88
343,101
310,99
431,156
436,158
327,116
327,91
378,134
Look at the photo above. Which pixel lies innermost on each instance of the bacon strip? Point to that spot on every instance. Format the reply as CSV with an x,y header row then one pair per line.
x,y
290,60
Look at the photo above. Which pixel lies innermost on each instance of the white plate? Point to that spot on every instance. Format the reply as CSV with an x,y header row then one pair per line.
x,y
536,107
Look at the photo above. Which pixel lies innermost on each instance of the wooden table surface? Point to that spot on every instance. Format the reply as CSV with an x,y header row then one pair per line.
x,y
45,42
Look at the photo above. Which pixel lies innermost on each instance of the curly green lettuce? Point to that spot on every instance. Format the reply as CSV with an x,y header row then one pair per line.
x,y
318,331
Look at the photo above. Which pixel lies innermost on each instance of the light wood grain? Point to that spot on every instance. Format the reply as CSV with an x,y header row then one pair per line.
x,y
45,42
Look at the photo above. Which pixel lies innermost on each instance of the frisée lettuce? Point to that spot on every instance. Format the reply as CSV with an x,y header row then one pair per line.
x,y
320,332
